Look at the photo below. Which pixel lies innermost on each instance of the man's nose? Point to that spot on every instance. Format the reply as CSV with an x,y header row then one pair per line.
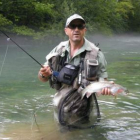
x,y
76,28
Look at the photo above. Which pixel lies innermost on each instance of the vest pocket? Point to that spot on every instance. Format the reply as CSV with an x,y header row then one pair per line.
x,y
91,68
67,74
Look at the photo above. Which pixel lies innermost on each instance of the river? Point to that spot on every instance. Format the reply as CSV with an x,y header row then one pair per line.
x,y
26,111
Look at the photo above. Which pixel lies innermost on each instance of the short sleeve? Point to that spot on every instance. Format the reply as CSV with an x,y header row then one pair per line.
x,y
102,73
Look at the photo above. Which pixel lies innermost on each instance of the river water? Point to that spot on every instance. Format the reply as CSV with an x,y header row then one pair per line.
x,y
26,111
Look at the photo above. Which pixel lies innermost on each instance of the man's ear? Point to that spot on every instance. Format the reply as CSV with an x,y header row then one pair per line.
x,y
85,29
66,31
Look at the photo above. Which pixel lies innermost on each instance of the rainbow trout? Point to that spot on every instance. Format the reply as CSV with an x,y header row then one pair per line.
x,y
96,87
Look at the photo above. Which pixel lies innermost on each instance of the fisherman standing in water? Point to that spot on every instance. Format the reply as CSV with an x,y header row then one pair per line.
x,y
72,65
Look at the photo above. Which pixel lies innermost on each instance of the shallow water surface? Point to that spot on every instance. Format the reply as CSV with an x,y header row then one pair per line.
x,y
26,111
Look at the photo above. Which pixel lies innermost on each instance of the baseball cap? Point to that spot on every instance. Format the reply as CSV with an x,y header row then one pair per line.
x,y
73,17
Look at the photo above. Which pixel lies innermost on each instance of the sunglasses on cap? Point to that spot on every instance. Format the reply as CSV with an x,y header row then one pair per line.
x,y
74,26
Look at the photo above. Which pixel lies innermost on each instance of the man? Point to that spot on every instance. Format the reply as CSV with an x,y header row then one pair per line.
x,y
76,52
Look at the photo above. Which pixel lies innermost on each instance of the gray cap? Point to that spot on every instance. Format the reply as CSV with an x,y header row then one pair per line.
x,y
73,17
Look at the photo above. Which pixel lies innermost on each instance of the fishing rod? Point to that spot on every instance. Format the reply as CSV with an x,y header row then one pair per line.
x,y
8,38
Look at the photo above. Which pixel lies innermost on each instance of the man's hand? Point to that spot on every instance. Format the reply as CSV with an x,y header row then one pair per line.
x,y
106,91
44,73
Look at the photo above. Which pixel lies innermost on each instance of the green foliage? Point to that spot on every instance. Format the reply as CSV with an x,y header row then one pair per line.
x,y
124,9
134,21
23,30
27,12
4,21
47,17
43,14
100,15
67,9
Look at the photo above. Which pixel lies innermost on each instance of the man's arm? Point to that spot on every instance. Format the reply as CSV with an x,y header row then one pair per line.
x,y
103,73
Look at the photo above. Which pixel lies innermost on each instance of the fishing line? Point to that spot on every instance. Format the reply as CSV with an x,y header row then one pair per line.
x,y
4,60
8,38
34,119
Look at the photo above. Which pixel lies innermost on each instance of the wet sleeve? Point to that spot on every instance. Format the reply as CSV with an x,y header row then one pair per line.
x,y
102,73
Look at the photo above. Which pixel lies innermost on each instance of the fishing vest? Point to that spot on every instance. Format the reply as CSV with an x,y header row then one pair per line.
x,y
87,71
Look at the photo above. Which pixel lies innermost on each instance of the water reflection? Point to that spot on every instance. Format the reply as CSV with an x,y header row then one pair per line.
x,y
26,111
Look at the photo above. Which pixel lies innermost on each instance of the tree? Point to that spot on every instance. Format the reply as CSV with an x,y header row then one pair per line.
x,y
27,16
48,17
124,9
4,21
134,19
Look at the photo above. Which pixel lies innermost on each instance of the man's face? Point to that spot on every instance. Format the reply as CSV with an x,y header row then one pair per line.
x,y
76,30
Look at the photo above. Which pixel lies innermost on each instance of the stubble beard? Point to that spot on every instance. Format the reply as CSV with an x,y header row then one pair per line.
x,y
77,38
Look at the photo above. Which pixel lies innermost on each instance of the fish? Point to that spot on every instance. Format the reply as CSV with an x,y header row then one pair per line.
x,y
96,87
